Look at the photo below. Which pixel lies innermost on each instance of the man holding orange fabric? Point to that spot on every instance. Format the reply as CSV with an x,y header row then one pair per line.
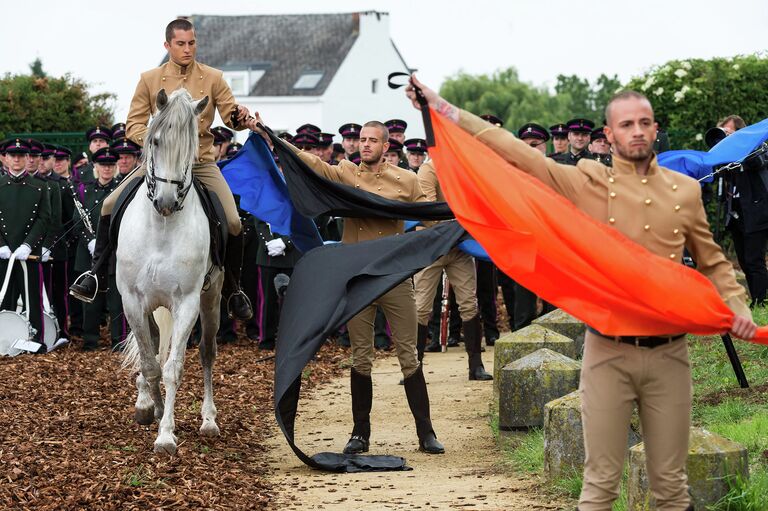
x,y
662,211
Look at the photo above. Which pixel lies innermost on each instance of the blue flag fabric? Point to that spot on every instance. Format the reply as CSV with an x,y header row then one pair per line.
x,y
470,247
253,175
735,147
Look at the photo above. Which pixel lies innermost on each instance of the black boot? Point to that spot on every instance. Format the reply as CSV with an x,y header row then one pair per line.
x,y
89,283
472,332
421,340
418,401
362,397
238,304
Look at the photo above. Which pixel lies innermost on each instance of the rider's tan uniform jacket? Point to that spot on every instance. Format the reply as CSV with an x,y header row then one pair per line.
x,y
661,211
200,81
389,181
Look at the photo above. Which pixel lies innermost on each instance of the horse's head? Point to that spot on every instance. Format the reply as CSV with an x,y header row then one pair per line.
x,y
170,149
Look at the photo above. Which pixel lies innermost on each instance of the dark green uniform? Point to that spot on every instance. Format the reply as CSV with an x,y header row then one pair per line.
x,y
568,158
93,195
52,236
25,212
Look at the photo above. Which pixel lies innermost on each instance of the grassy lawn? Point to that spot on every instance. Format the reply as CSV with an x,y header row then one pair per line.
x,y
719,405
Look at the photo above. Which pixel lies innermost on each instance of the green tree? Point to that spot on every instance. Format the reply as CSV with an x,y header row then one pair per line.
x,y
690,96
40,103
505,96
585,99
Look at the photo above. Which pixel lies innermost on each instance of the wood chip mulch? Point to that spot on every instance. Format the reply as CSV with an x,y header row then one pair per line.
x,y
68,439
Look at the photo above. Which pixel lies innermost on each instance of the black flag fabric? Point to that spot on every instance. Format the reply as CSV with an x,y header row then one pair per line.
x,y
314,195
329,286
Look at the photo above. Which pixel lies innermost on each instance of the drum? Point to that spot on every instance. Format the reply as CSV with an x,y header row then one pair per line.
x,y
13,326
51,329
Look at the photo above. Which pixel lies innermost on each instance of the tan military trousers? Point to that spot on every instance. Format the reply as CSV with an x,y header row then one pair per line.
x,y
614,376
460,268
208,174
400,310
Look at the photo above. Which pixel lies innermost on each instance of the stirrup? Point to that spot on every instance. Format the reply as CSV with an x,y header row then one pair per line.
x,y
78,280
242,294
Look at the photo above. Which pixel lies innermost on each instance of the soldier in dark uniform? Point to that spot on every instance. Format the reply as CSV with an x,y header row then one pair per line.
x,y
600,147
325,146
286,136
394,154
44,172
307,141
69,312
397,129
350,141
559,133
222,137
417,152
338,152
108,297
35,155
128,154
308,128
276,254
233,148
579,131
24,217
118,131
98,137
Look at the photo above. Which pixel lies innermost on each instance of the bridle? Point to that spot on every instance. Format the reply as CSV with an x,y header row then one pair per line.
x,y
182,187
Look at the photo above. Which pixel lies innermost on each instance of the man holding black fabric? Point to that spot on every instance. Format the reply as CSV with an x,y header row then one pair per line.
x,y
391,182
662,211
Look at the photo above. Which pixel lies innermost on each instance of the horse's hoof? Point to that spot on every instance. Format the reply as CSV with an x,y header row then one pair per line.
x,y
145,416
165,446
209,428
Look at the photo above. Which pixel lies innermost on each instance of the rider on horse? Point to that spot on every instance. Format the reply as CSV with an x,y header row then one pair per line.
x,y
181,70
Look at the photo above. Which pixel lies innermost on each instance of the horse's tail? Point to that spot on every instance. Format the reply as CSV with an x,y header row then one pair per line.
x,y
131,358
164,322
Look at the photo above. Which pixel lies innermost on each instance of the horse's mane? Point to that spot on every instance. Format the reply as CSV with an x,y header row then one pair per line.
x,y
175,126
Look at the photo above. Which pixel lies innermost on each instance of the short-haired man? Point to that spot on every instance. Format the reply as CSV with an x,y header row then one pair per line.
x,y
394,152
579,131
600,147
661,210
350,141
182,71
128,157
391,182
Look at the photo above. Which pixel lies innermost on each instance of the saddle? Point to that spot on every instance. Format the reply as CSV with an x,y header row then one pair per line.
x,y
214,211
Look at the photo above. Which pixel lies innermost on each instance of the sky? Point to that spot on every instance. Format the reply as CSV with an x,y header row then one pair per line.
x,y
110,44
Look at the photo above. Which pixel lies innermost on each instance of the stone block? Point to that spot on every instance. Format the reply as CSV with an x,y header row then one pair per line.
x,y
564,436
531,382
563,323
515,345
712,460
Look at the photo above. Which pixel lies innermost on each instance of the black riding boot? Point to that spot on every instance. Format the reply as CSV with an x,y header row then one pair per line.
x,y
362,397
418,401
421,340
89,283
472,333
238,304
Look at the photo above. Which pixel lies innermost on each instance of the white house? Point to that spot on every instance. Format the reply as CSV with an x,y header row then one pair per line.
x,y
323,69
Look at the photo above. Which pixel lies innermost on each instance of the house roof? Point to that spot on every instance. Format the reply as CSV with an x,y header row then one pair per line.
x,y
284,46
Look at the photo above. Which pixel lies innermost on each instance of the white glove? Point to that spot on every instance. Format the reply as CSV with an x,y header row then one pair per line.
x,y
45,255
276,247
5,252
22,253
91,246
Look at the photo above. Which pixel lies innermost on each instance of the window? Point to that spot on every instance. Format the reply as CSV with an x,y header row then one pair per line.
x,y
308,80
374,85
238,82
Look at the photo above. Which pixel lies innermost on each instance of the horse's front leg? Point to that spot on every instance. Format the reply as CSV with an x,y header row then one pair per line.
x,y
184,318
209,319
149,399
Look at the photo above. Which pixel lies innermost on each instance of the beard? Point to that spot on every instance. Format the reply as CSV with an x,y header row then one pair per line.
x,y
635,153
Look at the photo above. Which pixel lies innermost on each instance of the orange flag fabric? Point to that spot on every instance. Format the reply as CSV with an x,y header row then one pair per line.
x,y
588,269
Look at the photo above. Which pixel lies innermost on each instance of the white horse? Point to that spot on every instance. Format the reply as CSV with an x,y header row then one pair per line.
x,y
162,259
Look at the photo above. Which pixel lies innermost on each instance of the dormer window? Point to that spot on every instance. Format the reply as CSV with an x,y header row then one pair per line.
x,y
308,80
